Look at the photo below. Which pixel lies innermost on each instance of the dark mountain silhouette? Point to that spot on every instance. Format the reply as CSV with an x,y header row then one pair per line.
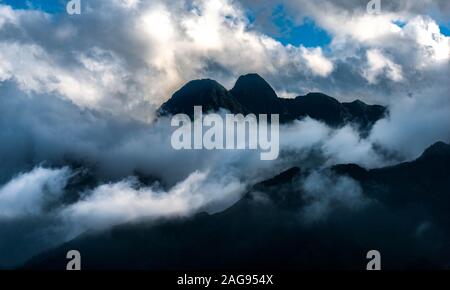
x,y
363,114
252,94
425,180
406,219
206,93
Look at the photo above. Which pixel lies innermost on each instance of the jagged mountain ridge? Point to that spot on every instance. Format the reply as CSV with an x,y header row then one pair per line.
x,y
207,93
425,180
252,94
268,233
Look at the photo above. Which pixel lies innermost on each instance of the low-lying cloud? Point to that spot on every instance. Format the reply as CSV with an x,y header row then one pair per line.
x,y
324,193
29,194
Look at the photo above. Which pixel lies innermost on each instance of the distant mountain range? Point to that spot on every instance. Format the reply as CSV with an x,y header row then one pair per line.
x,y
404,214
406,218
252,94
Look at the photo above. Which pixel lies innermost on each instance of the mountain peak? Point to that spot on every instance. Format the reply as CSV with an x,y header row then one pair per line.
x,y
366,115
199,87
358,102
252,78
253,87
319,98
321,107
438,149
284,177
207,93
256,94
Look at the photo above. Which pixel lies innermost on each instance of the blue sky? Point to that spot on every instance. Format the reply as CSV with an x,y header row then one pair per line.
x,y
50,6
307,33
445,29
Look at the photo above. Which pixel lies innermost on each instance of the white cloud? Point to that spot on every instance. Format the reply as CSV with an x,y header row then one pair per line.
x,y
324,193
131,4
413,125
126,201
36,71
156,46
378,64
434,46
6,15
28,193
339,146
152,51
363,28
346,146
317,62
